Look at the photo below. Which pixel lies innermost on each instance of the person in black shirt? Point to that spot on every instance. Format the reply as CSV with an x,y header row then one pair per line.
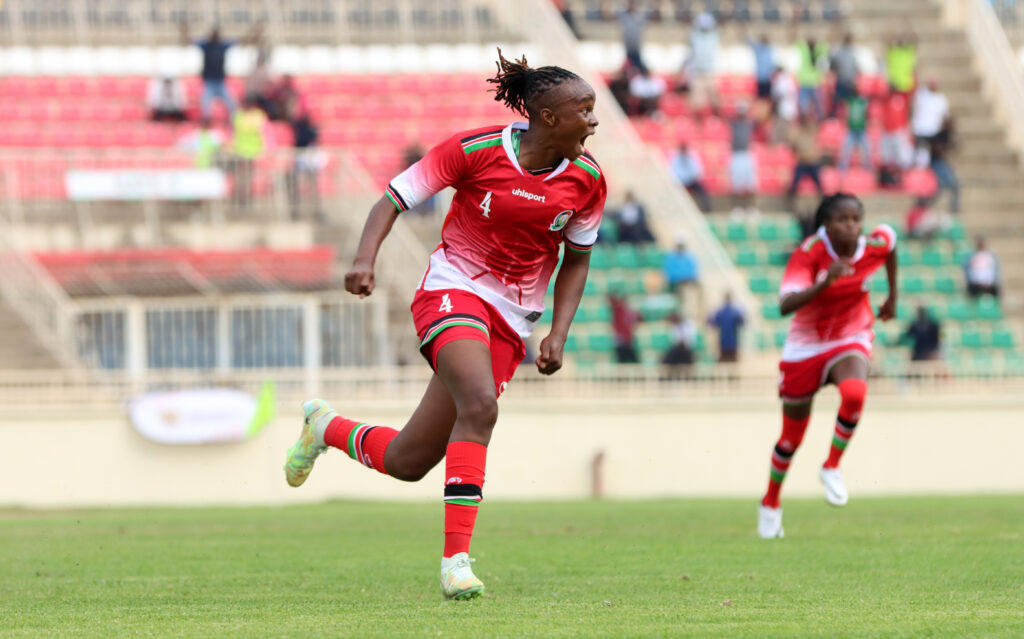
x,y
215,53
924,335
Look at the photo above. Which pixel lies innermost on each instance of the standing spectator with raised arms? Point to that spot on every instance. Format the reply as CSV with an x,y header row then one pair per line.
x,y
521,192
829,341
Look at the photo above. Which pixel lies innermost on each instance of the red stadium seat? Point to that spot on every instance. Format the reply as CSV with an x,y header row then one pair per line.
x,y
920,182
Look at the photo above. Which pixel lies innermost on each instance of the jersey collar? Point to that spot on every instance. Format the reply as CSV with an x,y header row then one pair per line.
x,y
506,142
861,244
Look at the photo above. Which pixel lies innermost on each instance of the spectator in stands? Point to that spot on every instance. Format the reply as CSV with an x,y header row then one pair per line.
x,y
901,60
701,65
680,268
259,82
624,321
764,65
205,143
925,337
645,91
215,52
785,105
856,132
250,142
281,96
165,98
566,12
844,65
804,142
923,222
631,218
810,75
633,21
679,355
981,270
728,319
618,84
895,148
929,115
742,164
939,147
307,163
688,170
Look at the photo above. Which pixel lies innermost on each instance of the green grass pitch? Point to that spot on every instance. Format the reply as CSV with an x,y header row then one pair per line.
x,y
893,567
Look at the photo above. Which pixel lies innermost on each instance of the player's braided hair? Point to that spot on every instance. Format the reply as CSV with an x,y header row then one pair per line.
x,y
519,85
829,204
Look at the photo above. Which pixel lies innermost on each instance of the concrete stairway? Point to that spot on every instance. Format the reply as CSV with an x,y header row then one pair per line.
x,y
19,348
992,184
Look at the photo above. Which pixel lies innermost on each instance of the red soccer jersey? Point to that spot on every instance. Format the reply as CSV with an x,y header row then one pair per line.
x,y
895,113
842,312
503,230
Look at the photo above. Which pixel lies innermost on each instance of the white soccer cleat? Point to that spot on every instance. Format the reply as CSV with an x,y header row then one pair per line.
x,y
317,414
457,578
769,523
835,488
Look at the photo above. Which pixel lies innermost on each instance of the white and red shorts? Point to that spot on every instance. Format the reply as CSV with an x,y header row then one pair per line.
x,y
443,316
799,381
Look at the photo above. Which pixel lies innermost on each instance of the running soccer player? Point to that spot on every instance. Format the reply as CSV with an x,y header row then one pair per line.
x,y
522,190
825,285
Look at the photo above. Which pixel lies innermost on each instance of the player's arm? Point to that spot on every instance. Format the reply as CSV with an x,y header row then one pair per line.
x,y
360,280
888,309
790,302
569,283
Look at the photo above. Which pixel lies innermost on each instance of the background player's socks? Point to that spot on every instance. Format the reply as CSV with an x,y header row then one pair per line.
x,y
792,434
463,491
853,392
364,443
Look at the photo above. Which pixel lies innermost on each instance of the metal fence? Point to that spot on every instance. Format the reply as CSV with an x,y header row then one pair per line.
x,y
301,332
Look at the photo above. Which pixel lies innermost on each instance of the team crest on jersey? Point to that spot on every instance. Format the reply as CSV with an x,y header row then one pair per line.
x,y
561,220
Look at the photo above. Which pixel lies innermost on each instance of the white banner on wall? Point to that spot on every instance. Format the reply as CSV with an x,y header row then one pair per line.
x,y
201,416
172,184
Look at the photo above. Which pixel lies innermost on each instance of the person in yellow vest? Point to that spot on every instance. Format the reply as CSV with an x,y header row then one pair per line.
x,y
810,75
249,144
901,62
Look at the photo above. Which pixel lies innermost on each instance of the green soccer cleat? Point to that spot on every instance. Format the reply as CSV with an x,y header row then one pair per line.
x,y
310,445
457,578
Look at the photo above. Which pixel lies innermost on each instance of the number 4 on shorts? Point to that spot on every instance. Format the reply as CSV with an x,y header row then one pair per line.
x,y
446,304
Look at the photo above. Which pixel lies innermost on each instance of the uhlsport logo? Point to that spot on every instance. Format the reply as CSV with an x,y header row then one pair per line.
x,y
453,480
561,220
528,195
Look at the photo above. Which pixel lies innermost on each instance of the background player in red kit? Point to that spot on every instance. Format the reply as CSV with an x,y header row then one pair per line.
x,y
522,190
829,341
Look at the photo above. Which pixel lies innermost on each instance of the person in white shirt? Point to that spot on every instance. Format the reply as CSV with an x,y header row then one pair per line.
x,y
982,271
929,113
688,170
646,90
785,104
165,98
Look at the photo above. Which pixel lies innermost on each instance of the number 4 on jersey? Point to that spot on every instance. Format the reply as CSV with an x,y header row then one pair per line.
x,y
486,205
446,304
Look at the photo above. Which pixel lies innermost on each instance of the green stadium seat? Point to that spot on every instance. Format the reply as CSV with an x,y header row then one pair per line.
x,y
958,310
1002,337
971,338
652,257
771,312
736,232
626,256
599,258
602,342
908,256
746,258
945,284
780,337
660,341
590,288
572,343
913,285
762,284
988,309
767,231
879,284
933,257
778,258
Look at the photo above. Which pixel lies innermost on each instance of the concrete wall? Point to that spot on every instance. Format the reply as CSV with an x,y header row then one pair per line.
x,y
541,450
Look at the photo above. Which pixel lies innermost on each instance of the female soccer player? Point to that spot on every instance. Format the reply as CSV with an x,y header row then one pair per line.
x,y
521,191
829,341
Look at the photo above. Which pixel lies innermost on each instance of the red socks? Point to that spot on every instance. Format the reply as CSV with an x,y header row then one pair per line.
x,y
792,434
364,443
463,491
853,392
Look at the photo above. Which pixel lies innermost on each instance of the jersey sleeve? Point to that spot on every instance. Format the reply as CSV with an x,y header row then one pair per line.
x,y
799,273
886,234
441,167
580,234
